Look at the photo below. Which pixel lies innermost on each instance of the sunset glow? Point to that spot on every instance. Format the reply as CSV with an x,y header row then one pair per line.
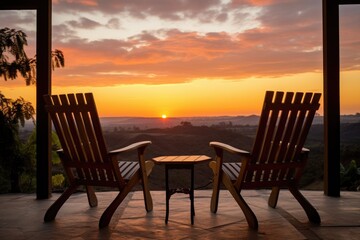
x,y
190,58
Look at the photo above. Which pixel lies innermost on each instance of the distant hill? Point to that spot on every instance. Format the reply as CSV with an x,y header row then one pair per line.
x,y
147,123
179,140
130,123
189,140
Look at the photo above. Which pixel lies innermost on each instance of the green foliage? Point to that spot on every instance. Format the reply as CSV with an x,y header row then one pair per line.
x,y
28,178
4,180
24,163
16,157
350,176
54,147
58,180
27,183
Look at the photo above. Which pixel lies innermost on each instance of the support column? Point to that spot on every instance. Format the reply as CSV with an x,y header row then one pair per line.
x,y
331,98
43,86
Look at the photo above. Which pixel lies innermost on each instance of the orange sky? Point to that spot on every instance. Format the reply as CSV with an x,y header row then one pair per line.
x,y
190,58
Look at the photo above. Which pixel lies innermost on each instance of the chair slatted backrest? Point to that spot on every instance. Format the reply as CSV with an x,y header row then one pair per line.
x,y
77,124
283,127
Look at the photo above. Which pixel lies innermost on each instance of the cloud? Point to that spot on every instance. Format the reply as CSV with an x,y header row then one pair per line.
x,y
257,2
292,14
184,56
63,33
164,9
84,22
285,39
113,23
17,19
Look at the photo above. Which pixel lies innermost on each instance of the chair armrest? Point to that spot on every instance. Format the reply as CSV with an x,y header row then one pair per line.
x,y
130,147
305,150
60,153
230,149
304,153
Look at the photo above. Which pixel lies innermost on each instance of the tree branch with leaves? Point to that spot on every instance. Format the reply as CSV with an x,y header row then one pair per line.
x,y
16,157
14,61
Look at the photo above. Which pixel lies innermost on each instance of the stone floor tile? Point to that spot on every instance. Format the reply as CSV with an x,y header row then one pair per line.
x,y
21,217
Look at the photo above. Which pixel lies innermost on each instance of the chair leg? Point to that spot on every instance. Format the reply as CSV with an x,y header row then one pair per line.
x,y
216,188
249,214
145,186
274,196
92,199
310,211
55,207
109,211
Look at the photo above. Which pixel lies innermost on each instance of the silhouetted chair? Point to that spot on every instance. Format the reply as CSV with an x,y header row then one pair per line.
x,y
277,158
86,159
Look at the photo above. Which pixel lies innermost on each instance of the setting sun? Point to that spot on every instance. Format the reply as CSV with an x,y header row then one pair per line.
x,y
163,116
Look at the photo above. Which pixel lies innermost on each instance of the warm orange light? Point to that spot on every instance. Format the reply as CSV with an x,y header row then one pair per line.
x,y
163,116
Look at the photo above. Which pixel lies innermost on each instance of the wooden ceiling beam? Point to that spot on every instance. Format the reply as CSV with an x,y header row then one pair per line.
x,y
344,2
19,5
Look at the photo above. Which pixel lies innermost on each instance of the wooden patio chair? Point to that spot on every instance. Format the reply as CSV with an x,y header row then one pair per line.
x,y
86,159
277,158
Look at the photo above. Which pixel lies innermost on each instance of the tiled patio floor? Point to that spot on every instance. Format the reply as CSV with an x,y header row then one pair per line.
x,y
21,217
